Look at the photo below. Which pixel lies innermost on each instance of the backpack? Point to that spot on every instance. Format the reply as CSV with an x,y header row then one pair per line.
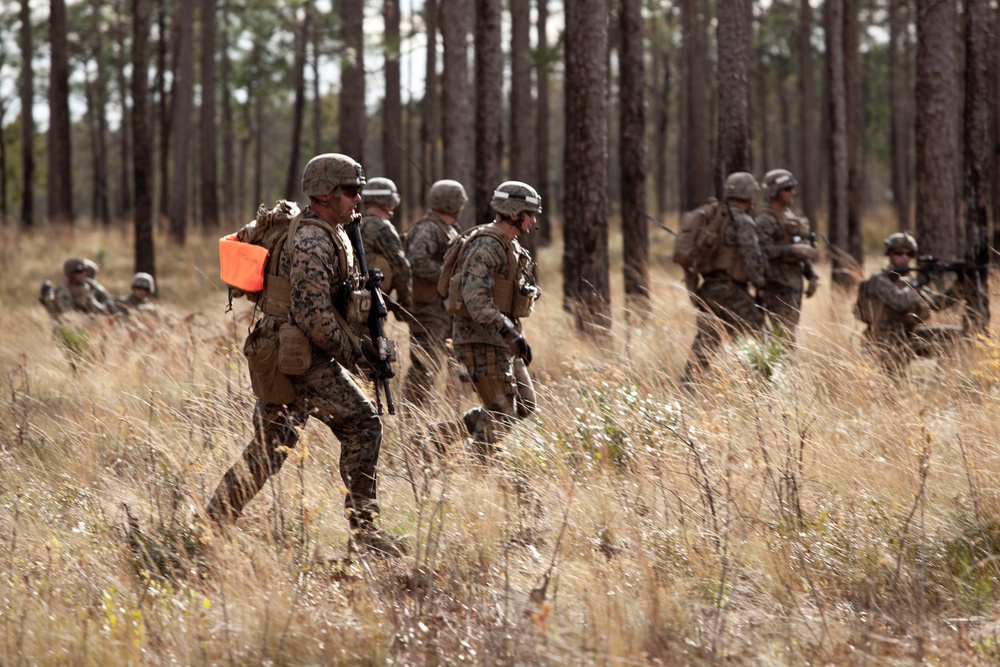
x,y
505,293
863,307
700,236
244,255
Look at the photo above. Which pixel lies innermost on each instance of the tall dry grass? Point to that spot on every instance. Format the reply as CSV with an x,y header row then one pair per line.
x,y
795,509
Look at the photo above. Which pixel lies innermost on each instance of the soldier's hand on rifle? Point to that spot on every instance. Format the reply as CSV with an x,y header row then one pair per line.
x,y
370,352
516,342
803,251
812,286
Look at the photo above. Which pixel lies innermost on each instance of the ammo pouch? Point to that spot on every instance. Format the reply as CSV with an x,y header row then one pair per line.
x,y
354,304
262,352
524,300
294,350
454,303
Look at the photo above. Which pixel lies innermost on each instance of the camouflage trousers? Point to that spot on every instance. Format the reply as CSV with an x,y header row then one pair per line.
x,y
329,394
895,346
783,305
427,354
505,388
725,307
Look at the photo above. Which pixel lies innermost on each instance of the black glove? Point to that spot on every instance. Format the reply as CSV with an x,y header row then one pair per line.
x,y
516,342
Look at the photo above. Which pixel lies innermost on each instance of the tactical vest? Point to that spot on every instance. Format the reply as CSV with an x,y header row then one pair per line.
x,y
873,311
514,292
728,258
425,291
373,256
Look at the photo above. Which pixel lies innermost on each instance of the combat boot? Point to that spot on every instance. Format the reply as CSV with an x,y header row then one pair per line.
x,y
377,542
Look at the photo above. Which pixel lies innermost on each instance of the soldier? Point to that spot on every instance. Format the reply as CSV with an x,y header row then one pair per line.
x,y
723,299
81,292
426,243
495,290
784,242
318,259
895,309
139,299
383,247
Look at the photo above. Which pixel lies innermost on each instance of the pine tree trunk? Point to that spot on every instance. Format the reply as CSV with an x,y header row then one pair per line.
x,y
209,140
837,140
586,291
392,118
230,205
694,146
855,130
455,95
632,147
979,45
293,181
542,124
489,107
352,89
60,163
899,104
27,118
142,155
735,133
429,116
809,189
936,128
660,86
163,105
180,124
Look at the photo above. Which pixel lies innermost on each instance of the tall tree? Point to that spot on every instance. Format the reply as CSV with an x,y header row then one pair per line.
x,y
96,92
833,18
392,118
586,290
455,94
522,130
142,155
937,128
229,202
209,140
489,109
543,60
899,123
853,103
694,147
809,195
180,123
632,151
979,45
661,102
735,133
352,79
293,182
429,134
124,24
60,165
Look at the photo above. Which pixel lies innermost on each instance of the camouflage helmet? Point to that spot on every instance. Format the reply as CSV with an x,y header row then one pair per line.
x,y
777,180
91,268
328,171
447,197
74,264
741,185
144,281
901,241
380,191
515,197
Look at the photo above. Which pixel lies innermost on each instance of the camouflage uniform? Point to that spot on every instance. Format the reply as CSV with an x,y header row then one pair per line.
x,y
134,302
486,333
326,391
426,243
778,231
86,296
723,299
384,251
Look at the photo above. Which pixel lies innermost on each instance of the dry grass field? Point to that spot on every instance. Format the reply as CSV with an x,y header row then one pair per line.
x,y
797,509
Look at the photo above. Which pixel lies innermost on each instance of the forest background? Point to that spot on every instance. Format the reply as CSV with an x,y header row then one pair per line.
x,y
622,108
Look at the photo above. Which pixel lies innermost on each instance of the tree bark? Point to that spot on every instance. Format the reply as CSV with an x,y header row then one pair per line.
x,y
352,89
60,164
96,106
230,205
142,155
809,188
392,118
122,29
455,95
632,147
180,124
854,106
899,104
735,133
163,104
542,120
489,107
694,168
661,101
979,45
293,181
936,128
429,125
209,140
837,140
586,290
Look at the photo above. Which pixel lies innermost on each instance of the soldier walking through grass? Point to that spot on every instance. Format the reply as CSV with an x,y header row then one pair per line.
x,y
383,247
315,264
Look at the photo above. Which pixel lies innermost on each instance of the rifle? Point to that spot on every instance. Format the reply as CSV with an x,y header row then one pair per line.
x,y
384,348
655,221
928,265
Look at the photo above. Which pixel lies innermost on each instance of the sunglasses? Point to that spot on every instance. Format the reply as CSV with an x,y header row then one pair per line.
x,y
350,191
901,252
